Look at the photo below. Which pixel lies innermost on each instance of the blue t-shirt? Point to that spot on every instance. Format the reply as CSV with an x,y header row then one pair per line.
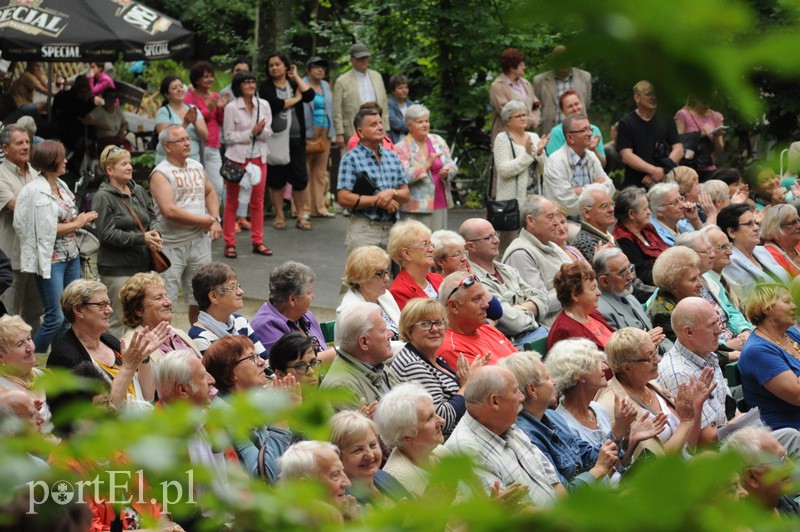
x,y
759,362
557,139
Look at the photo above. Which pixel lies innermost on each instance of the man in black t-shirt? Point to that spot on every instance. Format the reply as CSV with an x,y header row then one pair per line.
x,y
648,143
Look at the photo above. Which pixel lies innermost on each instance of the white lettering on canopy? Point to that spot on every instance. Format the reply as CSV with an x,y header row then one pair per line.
x,y
32,21
146,19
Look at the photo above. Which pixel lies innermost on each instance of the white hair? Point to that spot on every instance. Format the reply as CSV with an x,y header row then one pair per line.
x,y
396,415
353,323
747,443
172,369
658,194
586,198
450,282
570,360
488,380
717,189
524,367
301,460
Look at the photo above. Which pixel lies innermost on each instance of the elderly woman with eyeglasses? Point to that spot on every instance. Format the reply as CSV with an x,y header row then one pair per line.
x,y
291,292
423,323
669,208
219,295
237,369
780,228
449,252
410,247
751,263
294,354
145,303
428,165
677,275
634,358
368,274
699,209
125,248
86,307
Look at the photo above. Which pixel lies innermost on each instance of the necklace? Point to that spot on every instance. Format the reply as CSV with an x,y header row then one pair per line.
x,y
589,419
575,317
792,344
20,381
643,401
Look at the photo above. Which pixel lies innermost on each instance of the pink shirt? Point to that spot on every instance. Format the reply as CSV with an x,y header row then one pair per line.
x,y
239,123
213,118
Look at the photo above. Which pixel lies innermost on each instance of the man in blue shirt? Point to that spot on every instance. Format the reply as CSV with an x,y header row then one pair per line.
x,y
371,183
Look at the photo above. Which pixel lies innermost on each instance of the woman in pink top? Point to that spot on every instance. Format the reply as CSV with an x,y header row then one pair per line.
x,y
212,106
697,116
99,81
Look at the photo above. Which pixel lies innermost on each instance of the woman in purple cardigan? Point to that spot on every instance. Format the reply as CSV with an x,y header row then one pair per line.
x,y
576,290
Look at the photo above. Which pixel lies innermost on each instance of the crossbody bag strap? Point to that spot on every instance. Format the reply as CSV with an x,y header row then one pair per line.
x,y
133,213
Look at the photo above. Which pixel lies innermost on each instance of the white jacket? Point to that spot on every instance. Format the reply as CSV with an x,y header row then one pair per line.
x,y
36,223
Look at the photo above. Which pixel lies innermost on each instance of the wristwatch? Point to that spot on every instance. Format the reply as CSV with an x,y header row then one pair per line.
x,y
217,219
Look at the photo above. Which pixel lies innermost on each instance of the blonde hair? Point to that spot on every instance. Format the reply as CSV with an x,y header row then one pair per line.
x,y
347,427
111,155
671,266
684,176
419,309
623,345
404,234
524,367
131,296
362,264
761,300
9,324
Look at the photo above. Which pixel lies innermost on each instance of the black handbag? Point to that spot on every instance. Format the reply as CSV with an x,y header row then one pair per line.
x,y
231,171
502,214
698,149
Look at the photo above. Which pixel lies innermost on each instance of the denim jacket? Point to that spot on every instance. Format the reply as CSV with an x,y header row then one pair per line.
x,y
571,456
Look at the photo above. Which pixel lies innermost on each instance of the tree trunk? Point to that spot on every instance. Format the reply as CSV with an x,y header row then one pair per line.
x,y
273,20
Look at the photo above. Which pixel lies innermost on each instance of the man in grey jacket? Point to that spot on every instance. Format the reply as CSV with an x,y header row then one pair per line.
x,y
522,304
534,254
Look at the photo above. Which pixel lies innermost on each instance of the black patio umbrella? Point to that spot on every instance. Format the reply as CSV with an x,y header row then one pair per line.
x,y
89,30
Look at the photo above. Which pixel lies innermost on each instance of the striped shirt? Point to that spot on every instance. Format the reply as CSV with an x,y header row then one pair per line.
x,y
410,366
203,338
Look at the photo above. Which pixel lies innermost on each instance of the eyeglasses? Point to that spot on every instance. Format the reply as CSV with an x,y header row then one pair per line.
x,y
724,247
249,81
425,244
517,117
466,282
580,131
749,224
625,272
301,368
182,140
654,356
429,325
99,304
676,202
456,255
383,273
230,288
793,223
707,252
490,237
253,356
604,206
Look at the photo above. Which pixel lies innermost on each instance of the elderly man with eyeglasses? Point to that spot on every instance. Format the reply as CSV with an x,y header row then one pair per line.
x,y
522,304
574,166
597,215
616,277
187,213
466,300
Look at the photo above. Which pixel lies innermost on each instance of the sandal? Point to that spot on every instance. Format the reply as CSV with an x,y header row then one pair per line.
x,y
303,224
261,249
279,224
230,252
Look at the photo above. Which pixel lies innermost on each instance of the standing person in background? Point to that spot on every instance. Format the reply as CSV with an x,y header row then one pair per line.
x,y
398,105
187,210
46,218
22,297
248,121
512,85
175,111
550,85
109,122
696,115
429,167
99,81
319,124
240,64
286,92
354,87
124,248
212,106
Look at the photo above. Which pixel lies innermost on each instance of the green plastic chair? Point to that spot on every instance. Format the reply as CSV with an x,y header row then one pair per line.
x,y
327,330
540,346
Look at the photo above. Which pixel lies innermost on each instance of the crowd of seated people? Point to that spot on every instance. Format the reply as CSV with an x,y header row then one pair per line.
x,y
552,367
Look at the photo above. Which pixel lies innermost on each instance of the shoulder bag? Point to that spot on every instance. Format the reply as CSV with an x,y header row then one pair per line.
x,y
698,149
233,171
502,214
159,262
278,143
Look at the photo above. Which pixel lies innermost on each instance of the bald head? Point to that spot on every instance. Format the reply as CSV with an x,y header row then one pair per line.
x,y
697,325
481,245
20,407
